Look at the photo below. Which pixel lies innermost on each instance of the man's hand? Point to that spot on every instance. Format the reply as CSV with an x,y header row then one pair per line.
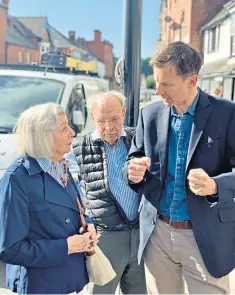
x,y
137,168
201,183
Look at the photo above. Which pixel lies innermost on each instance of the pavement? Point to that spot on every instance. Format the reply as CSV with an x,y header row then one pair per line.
x,y
3,289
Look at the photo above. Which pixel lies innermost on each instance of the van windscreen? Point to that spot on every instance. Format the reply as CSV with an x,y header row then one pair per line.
x,y
18,93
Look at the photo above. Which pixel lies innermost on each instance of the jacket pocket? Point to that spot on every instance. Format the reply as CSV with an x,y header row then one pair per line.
x,y
227,214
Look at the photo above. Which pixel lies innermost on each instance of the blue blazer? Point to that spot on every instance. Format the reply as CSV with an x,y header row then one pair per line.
x,y
212,148
37,215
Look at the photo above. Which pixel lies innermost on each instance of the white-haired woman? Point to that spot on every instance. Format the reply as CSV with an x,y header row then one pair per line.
x,y
40,235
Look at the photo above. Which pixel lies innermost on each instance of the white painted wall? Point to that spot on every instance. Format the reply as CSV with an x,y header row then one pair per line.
x,y
44,47
224,47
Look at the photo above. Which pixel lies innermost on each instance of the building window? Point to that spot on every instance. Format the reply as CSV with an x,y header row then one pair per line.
x,y
233,35
233,46
213,39
20,57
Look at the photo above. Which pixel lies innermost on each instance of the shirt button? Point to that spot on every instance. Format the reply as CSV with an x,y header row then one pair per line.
x,y
181,146
67,220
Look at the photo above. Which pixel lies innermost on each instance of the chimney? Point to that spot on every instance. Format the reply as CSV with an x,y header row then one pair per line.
x,y
5,2
3,31
72,36
81,40
97,36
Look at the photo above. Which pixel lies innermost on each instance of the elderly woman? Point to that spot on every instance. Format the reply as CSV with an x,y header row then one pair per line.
x,y
41,230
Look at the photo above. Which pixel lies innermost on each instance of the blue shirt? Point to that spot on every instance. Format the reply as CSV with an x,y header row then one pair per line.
x,y
173,202
116,158
55,169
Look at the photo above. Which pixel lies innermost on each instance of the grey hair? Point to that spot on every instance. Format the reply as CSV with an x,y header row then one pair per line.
x,y
34,130
96,97
185,59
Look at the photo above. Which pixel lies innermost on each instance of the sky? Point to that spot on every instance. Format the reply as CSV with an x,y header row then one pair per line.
x,y
84,16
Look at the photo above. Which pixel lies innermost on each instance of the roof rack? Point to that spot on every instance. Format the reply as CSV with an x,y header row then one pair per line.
x,y
50,69
62,60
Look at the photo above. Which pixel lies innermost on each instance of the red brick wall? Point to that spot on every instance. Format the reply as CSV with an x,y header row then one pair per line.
x,y
13,54
175,9
163,13
196,13
103,50
3,25
97,48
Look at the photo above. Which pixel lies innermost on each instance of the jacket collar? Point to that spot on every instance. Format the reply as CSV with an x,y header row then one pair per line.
x,y
30,164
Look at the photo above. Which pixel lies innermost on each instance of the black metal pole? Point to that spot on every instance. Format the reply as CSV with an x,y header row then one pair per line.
x,y
132,59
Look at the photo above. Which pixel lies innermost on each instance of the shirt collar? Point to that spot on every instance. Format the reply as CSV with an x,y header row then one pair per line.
x,y
46,163
191,110
95,135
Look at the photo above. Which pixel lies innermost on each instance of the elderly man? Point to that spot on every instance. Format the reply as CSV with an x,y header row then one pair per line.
x,y
182,159
111,204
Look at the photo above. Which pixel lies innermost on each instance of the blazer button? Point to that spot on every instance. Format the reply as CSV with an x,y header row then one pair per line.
x,y
67,220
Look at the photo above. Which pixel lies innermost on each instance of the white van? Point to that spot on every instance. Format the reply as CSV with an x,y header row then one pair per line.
x,y
20,89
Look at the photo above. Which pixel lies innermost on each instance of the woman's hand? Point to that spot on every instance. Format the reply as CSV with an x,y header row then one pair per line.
x,y
94,236
79,243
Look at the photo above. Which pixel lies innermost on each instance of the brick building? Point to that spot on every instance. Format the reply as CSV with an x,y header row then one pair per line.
x,y
104,51
87,55
17,43
182,19
50,37
24,39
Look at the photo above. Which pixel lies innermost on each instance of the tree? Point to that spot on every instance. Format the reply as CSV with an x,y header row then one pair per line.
x,y
146,69
150,83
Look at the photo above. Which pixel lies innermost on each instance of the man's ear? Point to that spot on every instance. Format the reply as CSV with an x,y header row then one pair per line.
x,y
193,80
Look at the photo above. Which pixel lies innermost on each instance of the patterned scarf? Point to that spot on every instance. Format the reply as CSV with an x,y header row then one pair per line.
x,y
65,176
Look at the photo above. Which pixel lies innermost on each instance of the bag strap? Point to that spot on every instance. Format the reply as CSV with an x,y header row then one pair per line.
x,y
81,211
80,207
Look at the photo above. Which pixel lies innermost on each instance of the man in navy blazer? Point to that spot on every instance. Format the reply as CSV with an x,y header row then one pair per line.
x,y
182,161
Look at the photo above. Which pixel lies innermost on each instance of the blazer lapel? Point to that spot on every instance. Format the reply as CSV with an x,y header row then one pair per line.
x,y
163,120
202,115
56,194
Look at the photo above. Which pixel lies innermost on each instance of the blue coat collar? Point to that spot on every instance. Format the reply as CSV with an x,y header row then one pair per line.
x,y
30,164
54,192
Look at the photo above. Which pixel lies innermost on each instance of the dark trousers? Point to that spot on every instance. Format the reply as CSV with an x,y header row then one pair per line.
x,y
121,248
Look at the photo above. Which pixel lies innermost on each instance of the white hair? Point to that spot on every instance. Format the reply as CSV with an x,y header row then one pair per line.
x,y
96,97
34,130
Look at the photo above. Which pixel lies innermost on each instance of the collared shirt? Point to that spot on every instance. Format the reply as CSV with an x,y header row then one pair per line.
x,y
173,203
116,157
56,170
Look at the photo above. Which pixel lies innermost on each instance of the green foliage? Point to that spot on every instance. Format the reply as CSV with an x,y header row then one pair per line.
x,y
145,67
150,84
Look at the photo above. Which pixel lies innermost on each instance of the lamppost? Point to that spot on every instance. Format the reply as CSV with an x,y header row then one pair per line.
x,y
128,70
132,64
